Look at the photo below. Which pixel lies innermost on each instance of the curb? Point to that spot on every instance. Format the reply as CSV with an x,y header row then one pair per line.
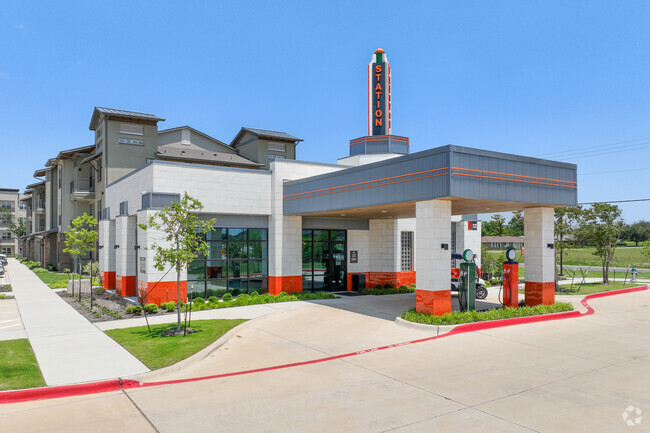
x,y
120,384
439,329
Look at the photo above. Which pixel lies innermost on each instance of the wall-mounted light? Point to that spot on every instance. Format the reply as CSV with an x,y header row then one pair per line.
x,y
100,247
115,246
550,246
444,246
136,247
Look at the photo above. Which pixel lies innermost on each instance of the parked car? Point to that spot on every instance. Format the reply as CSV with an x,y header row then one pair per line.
x,y
2,269
481,290
3,260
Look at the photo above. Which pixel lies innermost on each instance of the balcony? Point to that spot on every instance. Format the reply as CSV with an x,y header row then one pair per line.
x,y
82,188
7,240
40,206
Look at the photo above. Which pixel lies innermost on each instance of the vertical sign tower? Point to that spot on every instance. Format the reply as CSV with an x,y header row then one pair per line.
x,y
380,123
379,94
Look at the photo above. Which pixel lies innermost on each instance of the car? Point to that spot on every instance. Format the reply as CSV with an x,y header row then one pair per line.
x,y
2,269
481,290
3,260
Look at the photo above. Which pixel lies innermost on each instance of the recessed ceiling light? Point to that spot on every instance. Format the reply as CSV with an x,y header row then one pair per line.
x,y
383,211
342,214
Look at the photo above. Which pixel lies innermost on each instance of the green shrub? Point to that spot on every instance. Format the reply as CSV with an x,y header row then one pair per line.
x,y
199,300
3,296
134,310
151,308
51,268
404,287
99,291
213,299
308,296
495,282
85,269
388,286
236,292
168,306
39,270
227,297
253,294
378,286
457,317
59,285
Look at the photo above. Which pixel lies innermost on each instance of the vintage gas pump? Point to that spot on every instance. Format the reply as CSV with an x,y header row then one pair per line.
x,y
510,280
467,277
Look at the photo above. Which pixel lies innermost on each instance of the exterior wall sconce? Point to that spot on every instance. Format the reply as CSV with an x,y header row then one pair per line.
x,y
444,246
99,247
116,246
550,246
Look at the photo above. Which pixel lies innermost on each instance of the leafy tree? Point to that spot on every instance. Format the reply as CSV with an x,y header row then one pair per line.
x,y
495,227
567,222
646,250
637,232
603,229
80,239
15,225
515,226
184,236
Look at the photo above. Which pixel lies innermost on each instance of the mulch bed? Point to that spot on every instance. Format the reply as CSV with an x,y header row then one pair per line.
x,y
107,306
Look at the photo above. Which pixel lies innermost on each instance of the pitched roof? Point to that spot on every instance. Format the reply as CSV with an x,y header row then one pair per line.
x,y
502,239
70,152
112,112
222,158
178,128
264,133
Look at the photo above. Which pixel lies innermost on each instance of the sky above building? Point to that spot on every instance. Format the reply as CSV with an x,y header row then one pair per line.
x,y
560,80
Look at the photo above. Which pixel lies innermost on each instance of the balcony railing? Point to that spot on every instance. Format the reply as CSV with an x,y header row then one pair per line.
x,y
82,184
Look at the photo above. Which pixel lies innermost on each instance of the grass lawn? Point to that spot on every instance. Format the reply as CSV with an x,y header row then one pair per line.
x,y
623,256
156,351
56,280
18,366
589,288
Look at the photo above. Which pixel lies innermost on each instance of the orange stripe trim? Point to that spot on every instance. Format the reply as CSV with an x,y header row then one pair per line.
x,y
364,182
513,175
515,180
369,186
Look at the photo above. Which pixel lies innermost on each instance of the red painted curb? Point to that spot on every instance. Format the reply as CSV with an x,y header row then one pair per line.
x,y
118,384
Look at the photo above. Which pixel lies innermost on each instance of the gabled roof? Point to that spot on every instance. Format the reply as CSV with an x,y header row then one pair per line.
x,y
91,157
112,112
70,152
41,172
34,185
198,132
265,134
222,158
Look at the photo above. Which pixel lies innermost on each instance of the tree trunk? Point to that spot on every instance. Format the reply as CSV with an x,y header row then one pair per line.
x,y
178,297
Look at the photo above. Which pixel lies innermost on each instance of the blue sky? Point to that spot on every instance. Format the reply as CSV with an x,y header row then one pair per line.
x,y
537,78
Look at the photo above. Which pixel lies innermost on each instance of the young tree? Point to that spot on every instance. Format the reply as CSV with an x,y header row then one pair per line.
x,y
637,232
184,236
495,227
603,228
80,240
567,222
15,225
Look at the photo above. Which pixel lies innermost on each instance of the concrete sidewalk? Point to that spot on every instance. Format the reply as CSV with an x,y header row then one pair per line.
x,y
68,348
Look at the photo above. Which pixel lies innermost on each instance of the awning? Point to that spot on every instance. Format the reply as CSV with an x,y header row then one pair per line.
x,y
91,157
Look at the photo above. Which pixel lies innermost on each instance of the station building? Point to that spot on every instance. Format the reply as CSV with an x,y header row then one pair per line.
x,y
283,224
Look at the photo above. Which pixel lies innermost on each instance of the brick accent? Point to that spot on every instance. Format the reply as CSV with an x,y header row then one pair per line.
x,y
373,278
125,285
163,291
539,293
109,280
285,284
435,303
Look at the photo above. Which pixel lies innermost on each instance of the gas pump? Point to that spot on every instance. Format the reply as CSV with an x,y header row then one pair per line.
x,y
510,280
467,277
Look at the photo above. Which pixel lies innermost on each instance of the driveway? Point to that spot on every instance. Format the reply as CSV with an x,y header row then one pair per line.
x,y
569,375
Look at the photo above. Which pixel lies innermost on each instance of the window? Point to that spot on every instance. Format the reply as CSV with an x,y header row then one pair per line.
x,y
274,157
6,251
6,236
6,205
125,128
237,262
22,205
98,133
148,160
407,251
278,147
131,141
99,169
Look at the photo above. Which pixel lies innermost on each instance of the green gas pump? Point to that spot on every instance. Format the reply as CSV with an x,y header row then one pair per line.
x,y
467,277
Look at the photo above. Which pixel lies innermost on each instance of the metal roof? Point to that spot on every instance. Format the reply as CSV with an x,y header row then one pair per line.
x,y
264,133
169,152
34,185
71,152
110,112
92,157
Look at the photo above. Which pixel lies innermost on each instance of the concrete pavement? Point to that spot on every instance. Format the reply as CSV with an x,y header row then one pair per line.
x,y
68,348
565,376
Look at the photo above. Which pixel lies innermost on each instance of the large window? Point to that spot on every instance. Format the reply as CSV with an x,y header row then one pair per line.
x,y
323,260
237,262
407,251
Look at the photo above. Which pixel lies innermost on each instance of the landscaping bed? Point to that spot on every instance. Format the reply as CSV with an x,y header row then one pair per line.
x,y
457,317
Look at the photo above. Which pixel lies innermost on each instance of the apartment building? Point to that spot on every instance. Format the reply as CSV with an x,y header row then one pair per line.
x,y
10,200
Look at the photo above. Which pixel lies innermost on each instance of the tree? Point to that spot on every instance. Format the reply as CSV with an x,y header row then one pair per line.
x,y
637,232
495,227
15,225
184,236
515,226
603,229
80,240
567,222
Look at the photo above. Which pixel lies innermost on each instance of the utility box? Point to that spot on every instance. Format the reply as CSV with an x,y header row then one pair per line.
x,y
467,288
358,282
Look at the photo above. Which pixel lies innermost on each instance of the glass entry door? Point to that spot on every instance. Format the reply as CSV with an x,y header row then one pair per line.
x,y
323,260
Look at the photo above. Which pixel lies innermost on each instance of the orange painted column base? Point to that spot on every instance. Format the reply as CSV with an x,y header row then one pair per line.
x,y
435,303
290,284
109,280
157,293
373,278
539,293
125,285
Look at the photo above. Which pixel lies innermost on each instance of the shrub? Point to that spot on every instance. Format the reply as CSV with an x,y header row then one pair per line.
x,y
404,287
227,297
254,294
99,291
51,268
134,310
40,270
151,308
85,269
213,299
199,300
59,285
168,306
3,296
236,292
378,286
388,286
243,299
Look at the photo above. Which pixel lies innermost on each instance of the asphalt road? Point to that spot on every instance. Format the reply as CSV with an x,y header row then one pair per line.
x,y
571,375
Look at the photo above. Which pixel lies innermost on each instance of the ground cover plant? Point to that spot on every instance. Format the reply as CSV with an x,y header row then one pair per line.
x,y
388,289
457,317
589,288
623,256
18,366
156,351
254,298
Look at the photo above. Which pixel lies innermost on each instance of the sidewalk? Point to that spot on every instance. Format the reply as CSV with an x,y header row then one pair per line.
x,y
68,348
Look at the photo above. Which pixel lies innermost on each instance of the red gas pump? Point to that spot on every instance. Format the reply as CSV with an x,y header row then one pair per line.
x,y
510,280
